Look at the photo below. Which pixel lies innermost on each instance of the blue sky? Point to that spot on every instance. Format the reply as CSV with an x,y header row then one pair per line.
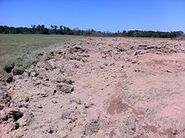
x,y
104,15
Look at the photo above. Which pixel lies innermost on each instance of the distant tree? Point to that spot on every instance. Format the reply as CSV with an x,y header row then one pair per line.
x,y
61,31
33,29
41,29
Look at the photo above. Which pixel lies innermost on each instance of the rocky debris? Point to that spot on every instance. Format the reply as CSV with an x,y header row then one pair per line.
x,y
33,74
59,52
39,56
49,66
128,127
146,47
43,94
37,82
11,115
137,53
64,80
9,78
8,68
76,49
88,105
142,49
26,119
121,49
12,126
42,76
18,71
77,57
19,102
1,78
92,127
15,115
65,88
49,130
70,115
76,53
4,98
75,100
27,99
48,56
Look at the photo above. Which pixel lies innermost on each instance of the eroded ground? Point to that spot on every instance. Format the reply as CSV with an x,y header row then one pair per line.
x,y
99,87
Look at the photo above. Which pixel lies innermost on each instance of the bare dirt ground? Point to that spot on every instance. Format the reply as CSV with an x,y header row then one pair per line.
x,y
102,88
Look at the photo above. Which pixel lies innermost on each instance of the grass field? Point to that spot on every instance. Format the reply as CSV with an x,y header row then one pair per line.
x,y
15,47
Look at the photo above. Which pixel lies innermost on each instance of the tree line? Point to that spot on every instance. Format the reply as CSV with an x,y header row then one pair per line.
x,y
63,30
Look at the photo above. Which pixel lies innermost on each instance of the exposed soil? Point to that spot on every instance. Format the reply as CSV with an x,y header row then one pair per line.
x,y
99,87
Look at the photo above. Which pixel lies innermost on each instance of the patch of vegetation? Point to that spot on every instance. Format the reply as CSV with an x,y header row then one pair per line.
x,y
19,49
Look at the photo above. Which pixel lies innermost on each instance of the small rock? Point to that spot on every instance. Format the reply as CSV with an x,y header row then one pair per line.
x,y
88,105
168,71
16,115
64,80
60,79
128,126
27,99
8,68
40,106
47,79
39,56
50,130
18,71
65,88
33,74
21,105
92,127
12,114
37,82
43,94
137,53
26,119
54,102
77,101
76,49
41,76
48,66
70,115
175,132
9,79
12,126
4,97
54,92
1,107
48,56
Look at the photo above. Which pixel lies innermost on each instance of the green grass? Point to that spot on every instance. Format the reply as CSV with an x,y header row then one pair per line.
x,y
15,48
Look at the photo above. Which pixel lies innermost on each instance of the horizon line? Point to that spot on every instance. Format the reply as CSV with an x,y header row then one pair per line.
x,y
73,28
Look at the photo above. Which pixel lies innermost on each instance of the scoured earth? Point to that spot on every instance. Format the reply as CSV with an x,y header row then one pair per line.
x,y
99,87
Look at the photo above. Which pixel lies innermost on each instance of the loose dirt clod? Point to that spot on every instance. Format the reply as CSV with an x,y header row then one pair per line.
x,y
4,98
11,114
92,127
9,79
65,88
8,68
18,71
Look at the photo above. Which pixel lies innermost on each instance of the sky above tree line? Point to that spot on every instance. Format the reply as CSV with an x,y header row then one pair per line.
x,y
103,15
